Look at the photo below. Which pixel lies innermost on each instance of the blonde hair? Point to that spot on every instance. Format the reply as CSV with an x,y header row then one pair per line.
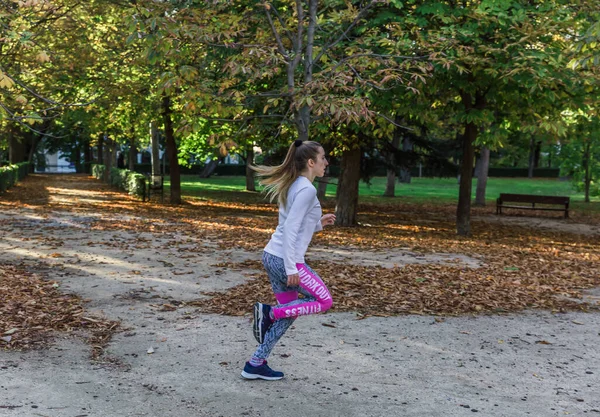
x,y
278,179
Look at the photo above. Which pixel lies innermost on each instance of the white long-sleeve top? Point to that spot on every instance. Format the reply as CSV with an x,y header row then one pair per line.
x,y
298,221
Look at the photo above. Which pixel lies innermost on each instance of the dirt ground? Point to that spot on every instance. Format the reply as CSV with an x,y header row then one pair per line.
x,y
182,362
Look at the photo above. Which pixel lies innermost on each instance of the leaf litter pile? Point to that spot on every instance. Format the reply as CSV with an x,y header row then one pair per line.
x,y
521,267
419,289
33,311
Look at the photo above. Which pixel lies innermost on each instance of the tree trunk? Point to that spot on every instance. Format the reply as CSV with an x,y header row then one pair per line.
x,y
120,159
531,157
250,185
16,148
32,149
587,190
537,153
390,186
114,153
347,192
463,210
76,158
101,149
303,122
175,175
477,169
303,116
407,146
107,158
484,164
87,156
587,179
132,150
155,154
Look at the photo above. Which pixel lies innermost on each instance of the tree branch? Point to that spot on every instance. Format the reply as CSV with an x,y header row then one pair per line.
x,y
282,23
299,34
244,119
283,119
379,56
20,119
280,46
393,122
343,35
42,98
310,40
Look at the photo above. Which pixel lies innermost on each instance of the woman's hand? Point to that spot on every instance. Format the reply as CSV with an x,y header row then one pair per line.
x,y
328,220
293,280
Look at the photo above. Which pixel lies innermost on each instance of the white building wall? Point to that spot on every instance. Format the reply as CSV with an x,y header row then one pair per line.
x,y
56,163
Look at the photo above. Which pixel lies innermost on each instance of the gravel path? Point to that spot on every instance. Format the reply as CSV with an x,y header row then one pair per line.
x,y
537,364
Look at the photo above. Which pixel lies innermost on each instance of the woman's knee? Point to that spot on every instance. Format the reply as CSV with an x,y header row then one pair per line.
x,y
326,304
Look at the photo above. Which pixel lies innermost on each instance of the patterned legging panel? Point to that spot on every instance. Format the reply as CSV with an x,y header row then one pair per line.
x,y
316,299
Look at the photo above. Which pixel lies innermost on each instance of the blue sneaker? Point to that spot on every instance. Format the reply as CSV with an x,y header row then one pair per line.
x,y
262,321
261,372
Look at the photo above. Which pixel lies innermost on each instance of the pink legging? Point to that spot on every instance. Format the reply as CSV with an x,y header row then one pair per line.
x,y
318,298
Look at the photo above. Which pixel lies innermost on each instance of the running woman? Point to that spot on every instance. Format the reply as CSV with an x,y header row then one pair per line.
x,y
300,216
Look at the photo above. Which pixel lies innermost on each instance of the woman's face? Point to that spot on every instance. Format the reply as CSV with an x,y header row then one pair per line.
x,y
320,164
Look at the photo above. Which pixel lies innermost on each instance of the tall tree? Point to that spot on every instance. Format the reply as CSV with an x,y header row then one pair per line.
x,y
482,176
580,151
308,60
497,54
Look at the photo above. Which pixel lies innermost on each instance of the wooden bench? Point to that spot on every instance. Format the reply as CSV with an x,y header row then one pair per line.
x,y
533,200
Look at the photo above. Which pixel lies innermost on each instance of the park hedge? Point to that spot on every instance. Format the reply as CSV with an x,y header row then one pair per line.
x,y
132,182
11,174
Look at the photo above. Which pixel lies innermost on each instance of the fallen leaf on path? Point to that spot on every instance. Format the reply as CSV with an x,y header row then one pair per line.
x,y
34,309
518,267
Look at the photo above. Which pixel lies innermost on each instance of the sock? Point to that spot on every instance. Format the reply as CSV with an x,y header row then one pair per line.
x,y
256,361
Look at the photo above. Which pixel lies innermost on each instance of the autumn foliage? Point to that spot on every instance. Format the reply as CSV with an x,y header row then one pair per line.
x,y
35,310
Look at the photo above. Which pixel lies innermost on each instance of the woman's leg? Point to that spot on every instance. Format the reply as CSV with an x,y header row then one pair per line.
x,y
278,328
316,299
283,294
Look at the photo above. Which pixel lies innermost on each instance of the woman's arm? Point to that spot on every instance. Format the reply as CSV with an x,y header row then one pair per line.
x,y
302,202
327,220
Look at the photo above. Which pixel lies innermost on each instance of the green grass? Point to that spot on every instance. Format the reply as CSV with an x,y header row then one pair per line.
x,y
446,189
420,191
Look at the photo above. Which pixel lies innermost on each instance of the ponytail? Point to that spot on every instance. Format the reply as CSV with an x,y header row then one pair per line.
x,y
278,179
